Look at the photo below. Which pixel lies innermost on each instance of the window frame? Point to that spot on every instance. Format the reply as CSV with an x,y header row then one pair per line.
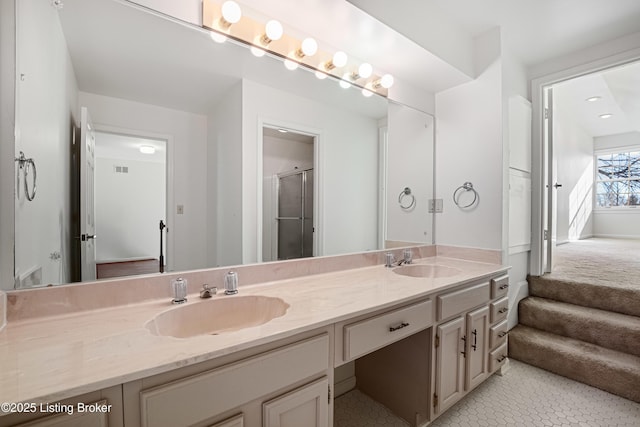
x,y
596,180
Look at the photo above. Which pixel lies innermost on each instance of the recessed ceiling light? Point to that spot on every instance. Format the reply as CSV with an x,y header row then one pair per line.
x,y
606,115
281,130
147,149
593,99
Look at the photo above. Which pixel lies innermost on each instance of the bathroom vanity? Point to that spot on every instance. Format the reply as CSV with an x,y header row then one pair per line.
x,y
419,336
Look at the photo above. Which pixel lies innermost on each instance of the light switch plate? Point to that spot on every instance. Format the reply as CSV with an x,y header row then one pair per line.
x,y
435,205
180,209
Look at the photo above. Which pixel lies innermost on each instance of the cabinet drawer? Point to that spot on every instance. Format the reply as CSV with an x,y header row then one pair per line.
x,y
462,300
499,309
208,394
497,357
371,334
498,334
499,286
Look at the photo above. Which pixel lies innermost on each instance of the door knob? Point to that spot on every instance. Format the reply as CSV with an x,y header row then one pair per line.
x,y
556,185
86,237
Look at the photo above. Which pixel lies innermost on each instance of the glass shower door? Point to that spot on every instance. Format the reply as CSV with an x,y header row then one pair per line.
x,y
295,215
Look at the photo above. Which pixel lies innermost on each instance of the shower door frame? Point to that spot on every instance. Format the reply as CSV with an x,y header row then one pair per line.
x,y
303,218
318,195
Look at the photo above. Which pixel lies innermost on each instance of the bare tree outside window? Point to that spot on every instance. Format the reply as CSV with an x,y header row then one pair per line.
x,y
618,179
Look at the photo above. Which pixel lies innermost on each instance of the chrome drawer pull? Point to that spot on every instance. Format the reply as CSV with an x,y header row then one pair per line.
x,y
505,286
400,326
502,334
503,310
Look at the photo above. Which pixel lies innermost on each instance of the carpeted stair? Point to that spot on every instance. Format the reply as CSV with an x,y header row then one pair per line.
x,y
589,333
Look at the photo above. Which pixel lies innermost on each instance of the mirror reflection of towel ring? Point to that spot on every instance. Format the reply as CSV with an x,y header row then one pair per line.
x,y
406,193
25,165
467,186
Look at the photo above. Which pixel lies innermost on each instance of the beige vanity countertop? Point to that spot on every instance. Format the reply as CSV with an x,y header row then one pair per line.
x,y
51,358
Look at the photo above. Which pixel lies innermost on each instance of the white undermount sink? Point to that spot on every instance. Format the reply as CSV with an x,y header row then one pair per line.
x,y
426,270
217,315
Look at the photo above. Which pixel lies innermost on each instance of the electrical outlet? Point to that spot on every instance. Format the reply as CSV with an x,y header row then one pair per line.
x,y
435,205
180,209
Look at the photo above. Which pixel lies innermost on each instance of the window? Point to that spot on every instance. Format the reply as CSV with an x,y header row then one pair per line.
x,y
618,179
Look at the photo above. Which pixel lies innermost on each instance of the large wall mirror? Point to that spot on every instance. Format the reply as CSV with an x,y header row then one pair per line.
x,y
136,121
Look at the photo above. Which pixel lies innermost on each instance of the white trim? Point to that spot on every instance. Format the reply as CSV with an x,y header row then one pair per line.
x,y
170,171
617,236
616,150
618,210
318,174
519,249
537,86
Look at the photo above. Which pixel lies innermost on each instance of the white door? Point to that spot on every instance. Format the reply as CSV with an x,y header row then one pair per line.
x,y
550,185
87,200
307,406
449,364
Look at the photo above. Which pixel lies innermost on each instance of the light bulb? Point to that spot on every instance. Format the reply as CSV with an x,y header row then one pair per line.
x,y
344,82
290,65
606,115
217,37
309,47
339,59
386,81
231,13
257,52
366,92
147,149
365,70
273,30
320,75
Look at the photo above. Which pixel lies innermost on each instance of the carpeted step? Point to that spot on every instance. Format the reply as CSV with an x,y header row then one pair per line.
x,y
623,299
606,369
615,331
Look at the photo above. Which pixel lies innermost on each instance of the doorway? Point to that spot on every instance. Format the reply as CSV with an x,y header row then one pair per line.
x,y
130,202
289,197
591,146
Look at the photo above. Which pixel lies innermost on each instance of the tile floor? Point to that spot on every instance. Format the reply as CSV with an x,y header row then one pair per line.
x,y
525,396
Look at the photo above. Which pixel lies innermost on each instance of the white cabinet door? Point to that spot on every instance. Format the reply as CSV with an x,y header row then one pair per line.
x,y
306,406
449,364
477,348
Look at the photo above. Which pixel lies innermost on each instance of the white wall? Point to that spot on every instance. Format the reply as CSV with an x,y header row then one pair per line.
x,y
224,179
469,147
624,223
348,172
410,152
128,209
7,136
573,150
280,155
187,153
45,111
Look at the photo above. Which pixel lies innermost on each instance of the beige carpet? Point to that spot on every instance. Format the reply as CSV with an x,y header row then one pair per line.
x,y
607,262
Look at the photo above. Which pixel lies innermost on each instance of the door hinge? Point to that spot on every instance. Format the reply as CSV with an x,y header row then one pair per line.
x,y
546,234
546,113
437,341
329,394
435,400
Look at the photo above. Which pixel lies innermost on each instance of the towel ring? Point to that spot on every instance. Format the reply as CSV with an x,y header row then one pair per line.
x,y
24,165
401,196
467,186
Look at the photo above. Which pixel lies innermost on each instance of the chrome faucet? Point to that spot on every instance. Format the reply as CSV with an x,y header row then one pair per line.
x,y
390,260
207,291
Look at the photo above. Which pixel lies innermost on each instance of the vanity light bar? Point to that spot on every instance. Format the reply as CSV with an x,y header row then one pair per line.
x,y
253,34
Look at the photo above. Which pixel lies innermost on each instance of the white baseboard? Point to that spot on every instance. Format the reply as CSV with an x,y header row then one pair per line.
x,y
520,292
617,236
344,386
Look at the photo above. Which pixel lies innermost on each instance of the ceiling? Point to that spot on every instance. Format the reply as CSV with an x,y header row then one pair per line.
x,y
618,90
533,30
